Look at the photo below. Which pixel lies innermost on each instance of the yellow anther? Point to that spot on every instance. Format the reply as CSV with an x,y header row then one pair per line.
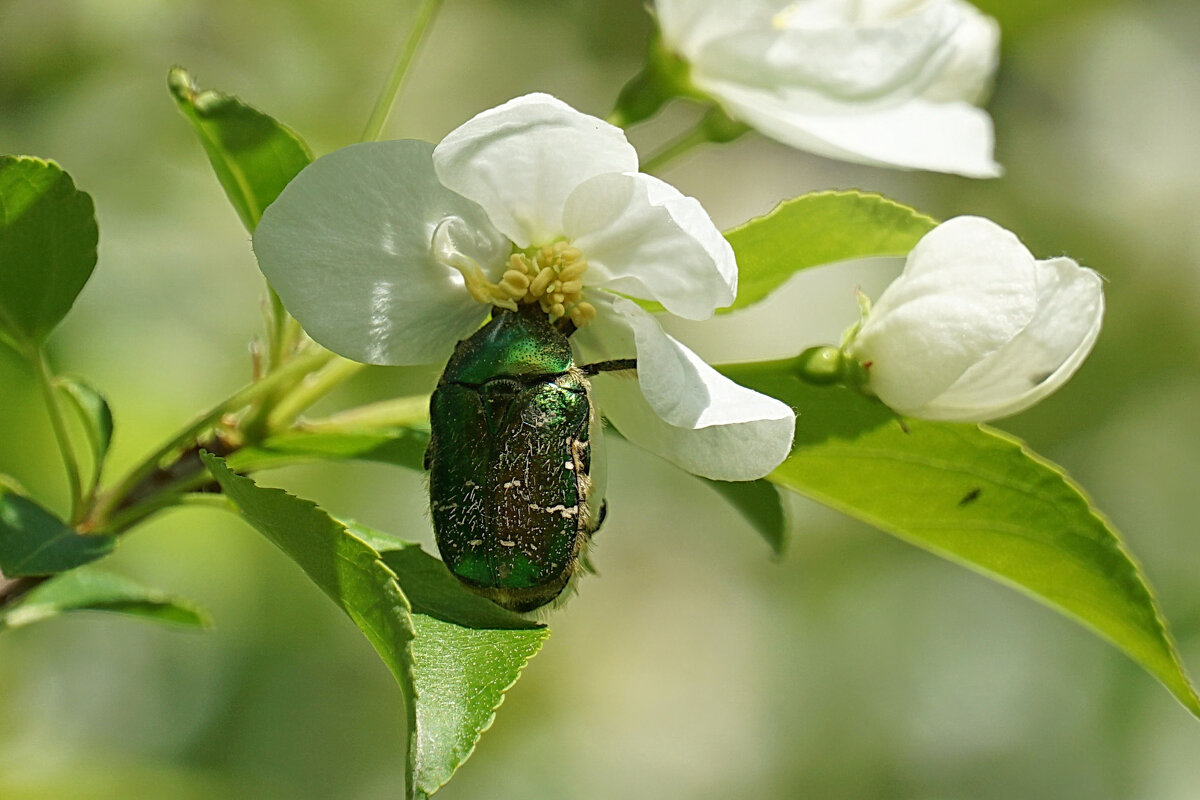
x,y
582,314
573,271
514,284
552,277
538,287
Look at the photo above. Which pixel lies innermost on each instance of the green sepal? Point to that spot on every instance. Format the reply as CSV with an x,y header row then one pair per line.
x,y
253,155
35,542
663,77
90,589
979,498
720,128
48,238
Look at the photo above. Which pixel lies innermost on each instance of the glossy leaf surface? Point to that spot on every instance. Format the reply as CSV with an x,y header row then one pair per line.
x,y
816,229
35,542
253,155
48,238
979,498
91,589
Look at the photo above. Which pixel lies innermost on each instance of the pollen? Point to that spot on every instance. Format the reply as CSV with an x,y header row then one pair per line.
x,y
551,276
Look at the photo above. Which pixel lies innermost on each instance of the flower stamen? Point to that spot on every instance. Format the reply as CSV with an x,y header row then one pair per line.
x,y
555,281
552,277
446,251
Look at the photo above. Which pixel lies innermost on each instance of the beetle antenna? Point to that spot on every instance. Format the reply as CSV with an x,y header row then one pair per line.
x,y
616,365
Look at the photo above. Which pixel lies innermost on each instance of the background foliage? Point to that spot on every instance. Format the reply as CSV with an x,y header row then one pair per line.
x,y
694,666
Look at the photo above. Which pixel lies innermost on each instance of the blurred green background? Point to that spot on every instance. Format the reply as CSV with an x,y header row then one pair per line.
x,y
695,666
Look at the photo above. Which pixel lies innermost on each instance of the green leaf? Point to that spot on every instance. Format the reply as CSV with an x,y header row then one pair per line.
x,y
344,567
760,504
35,542
48,239
979,498
816,229
253,155
403,447
468,652
91,589
93,412
453,653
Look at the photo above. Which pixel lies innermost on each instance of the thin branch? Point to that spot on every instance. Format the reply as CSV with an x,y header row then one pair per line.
x,y
391,89
45,379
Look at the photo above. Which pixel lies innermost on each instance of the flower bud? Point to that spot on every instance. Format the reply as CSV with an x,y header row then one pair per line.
x,y
975,328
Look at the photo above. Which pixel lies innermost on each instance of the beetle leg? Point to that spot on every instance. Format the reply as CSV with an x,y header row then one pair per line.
x,y
616,365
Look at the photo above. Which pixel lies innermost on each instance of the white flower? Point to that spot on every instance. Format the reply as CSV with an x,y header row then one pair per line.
x,y
974,328
392,252
885,82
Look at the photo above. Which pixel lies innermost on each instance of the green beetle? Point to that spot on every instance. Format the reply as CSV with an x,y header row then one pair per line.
x,y
509,460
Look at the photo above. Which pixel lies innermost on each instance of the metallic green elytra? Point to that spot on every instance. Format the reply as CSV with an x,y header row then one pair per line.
x,y
509,458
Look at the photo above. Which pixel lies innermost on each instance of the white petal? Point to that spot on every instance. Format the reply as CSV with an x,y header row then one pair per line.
x,y
742,451
884,82
1041,358
522,159
968,288
974,53
609,336
687,25
643,238
687,412
347,247
856,61
918,134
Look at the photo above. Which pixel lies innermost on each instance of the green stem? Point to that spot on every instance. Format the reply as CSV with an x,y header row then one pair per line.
x,y
387,96
284,377
312,389
210,499
127,518
277,329
45,378
398,412
675,148
395,413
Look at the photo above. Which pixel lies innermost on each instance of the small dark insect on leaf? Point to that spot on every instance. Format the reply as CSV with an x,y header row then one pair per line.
x,y
971,496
